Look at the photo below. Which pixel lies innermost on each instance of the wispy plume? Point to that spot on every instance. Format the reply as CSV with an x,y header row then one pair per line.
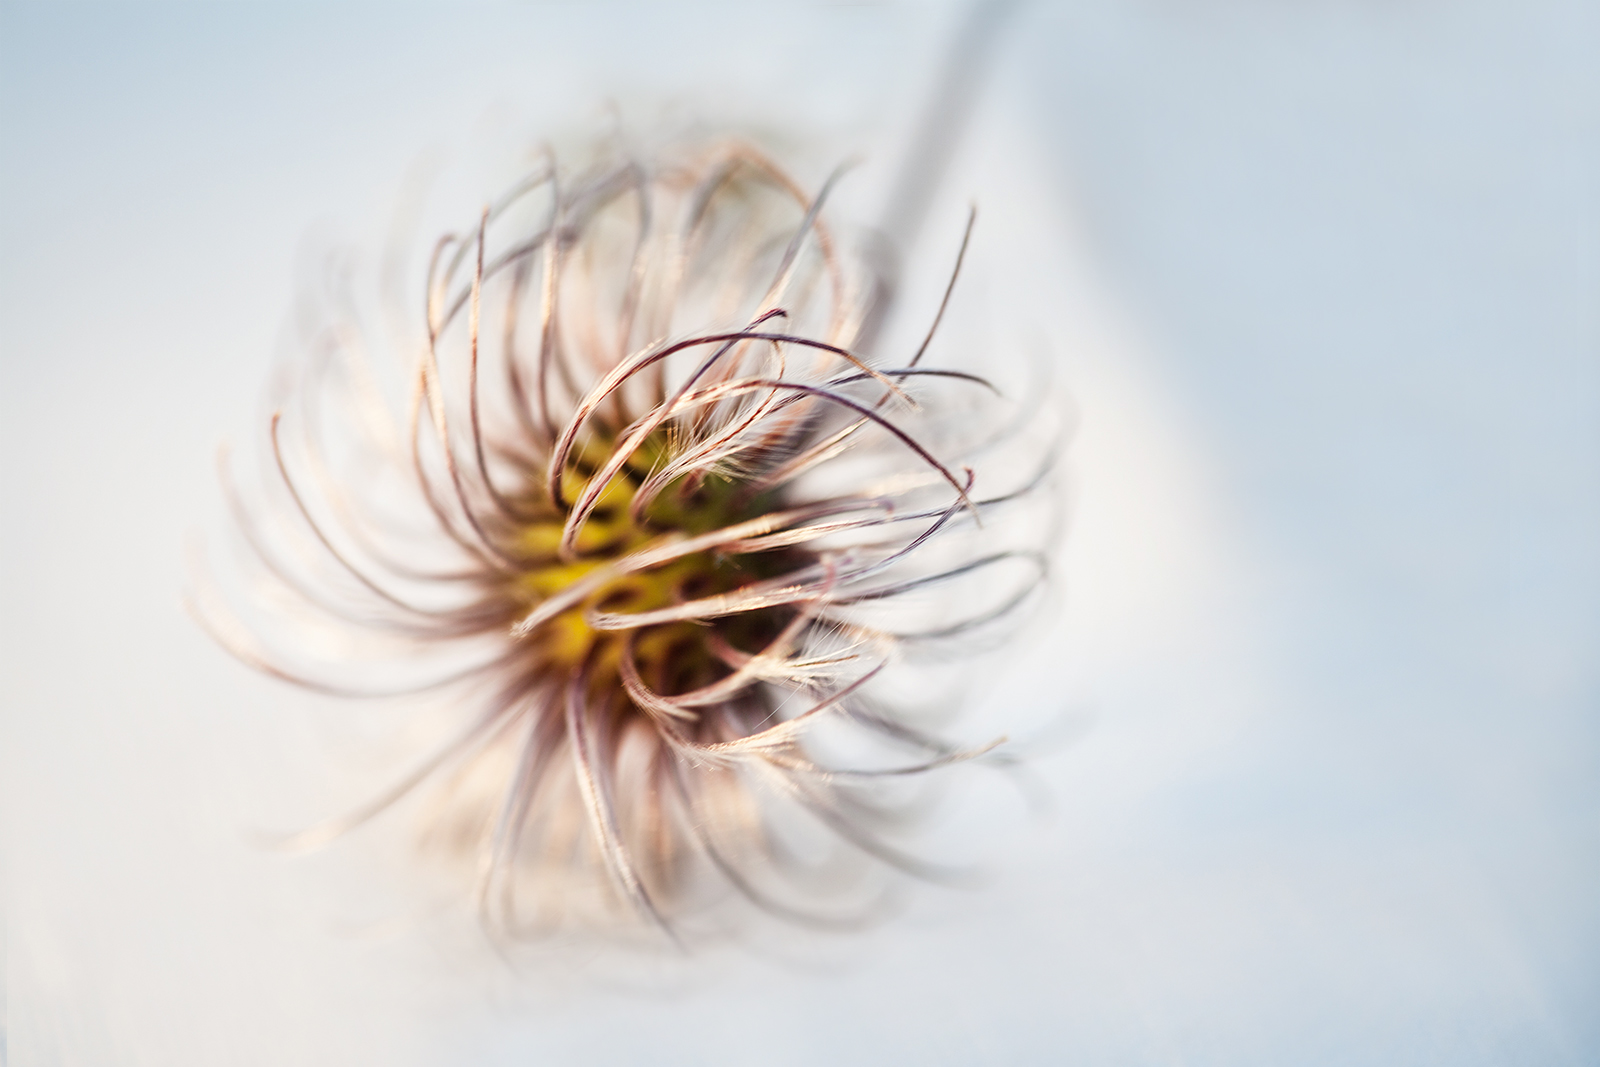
x,y
648,526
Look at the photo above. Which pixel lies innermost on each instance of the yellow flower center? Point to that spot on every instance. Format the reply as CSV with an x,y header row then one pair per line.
x,y
671,657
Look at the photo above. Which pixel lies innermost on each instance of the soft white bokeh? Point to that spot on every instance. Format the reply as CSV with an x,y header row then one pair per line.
x,y
1321,282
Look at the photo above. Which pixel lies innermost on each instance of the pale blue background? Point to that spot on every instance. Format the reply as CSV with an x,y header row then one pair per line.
x,y
1361,244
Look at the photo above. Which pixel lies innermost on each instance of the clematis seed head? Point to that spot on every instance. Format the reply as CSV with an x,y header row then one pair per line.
x,y
646,520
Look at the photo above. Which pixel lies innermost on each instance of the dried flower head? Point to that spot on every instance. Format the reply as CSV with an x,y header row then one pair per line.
x,y
655,530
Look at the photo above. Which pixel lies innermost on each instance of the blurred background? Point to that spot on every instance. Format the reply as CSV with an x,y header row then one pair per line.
x,y
1322,282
